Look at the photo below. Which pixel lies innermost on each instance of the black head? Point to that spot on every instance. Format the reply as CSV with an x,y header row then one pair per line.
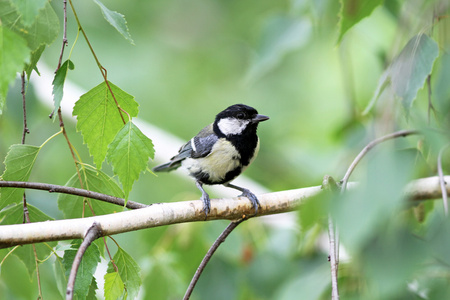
x,y
238,118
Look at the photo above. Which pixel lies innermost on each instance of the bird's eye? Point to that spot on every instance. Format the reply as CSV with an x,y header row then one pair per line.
x,y
240,115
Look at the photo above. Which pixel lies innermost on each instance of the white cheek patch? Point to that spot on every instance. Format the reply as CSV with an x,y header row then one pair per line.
x,y
232,126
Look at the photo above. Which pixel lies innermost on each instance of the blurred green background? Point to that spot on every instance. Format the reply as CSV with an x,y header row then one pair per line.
x,y
190,60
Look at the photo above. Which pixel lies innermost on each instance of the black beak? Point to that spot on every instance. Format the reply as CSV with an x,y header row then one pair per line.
x,y
259,118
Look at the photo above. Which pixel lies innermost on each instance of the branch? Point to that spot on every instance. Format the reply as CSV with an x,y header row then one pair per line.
x,y
330,185
161,214
442,182
401,133
209,254
52,188
92,234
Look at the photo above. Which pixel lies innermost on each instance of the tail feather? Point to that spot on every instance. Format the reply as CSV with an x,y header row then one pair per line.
x,y
167,167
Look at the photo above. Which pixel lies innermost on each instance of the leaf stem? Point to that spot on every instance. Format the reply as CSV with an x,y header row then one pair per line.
x,y
102,69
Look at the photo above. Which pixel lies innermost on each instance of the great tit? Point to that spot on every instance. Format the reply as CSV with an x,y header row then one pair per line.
x,y
221,151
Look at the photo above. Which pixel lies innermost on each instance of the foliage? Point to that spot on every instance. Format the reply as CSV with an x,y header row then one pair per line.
x,y
332,77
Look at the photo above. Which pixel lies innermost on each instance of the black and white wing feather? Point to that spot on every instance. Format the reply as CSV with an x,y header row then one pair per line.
x,y
199,146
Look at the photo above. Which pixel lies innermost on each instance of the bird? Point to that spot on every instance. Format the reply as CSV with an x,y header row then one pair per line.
x,y
221,151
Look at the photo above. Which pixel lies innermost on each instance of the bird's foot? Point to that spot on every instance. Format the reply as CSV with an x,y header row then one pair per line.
x,y
206,204
205,198
253,199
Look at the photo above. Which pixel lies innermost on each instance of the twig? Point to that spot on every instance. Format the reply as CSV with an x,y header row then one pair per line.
x,y
64,42
442,182
52,188
209,254
334,260
401,133
26,215
25,126
329,184
69,144
334,244
92,234
430,103
102,69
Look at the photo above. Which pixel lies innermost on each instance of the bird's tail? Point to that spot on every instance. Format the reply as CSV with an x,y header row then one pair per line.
x,y
167,167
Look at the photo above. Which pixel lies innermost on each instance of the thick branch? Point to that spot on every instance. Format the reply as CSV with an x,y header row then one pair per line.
x,y
72,191
180,212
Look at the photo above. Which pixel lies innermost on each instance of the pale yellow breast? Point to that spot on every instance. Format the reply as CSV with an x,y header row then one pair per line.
x,y
222,159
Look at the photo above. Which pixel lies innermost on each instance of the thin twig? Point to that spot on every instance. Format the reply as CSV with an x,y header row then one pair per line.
x,y
65,41
329,184
102,69
92,234
442,182
334,261
25,126
52,188
430,103
401,133
26,217
209,254
69,144
332,231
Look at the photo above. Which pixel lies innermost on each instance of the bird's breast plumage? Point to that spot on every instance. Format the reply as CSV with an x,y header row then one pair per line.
x,y
213,168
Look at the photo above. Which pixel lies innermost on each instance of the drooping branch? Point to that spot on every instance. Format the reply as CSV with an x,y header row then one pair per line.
x,y
92,234
52,188
181,212
401,133
208,256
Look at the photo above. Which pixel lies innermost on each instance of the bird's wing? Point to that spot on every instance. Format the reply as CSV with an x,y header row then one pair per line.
x,y
203,142
198,146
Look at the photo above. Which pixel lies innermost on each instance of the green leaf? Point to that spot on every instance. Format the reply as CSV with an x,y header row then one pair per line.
x,y
129,272
92,288
313,284
58,83
60,275
44,30
114,287
93,180
87,267
35,56
28,10
99,119
280,36
165,279
409,70
376,200
14,215
128,154
18,164
353,11
14,55
116,20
